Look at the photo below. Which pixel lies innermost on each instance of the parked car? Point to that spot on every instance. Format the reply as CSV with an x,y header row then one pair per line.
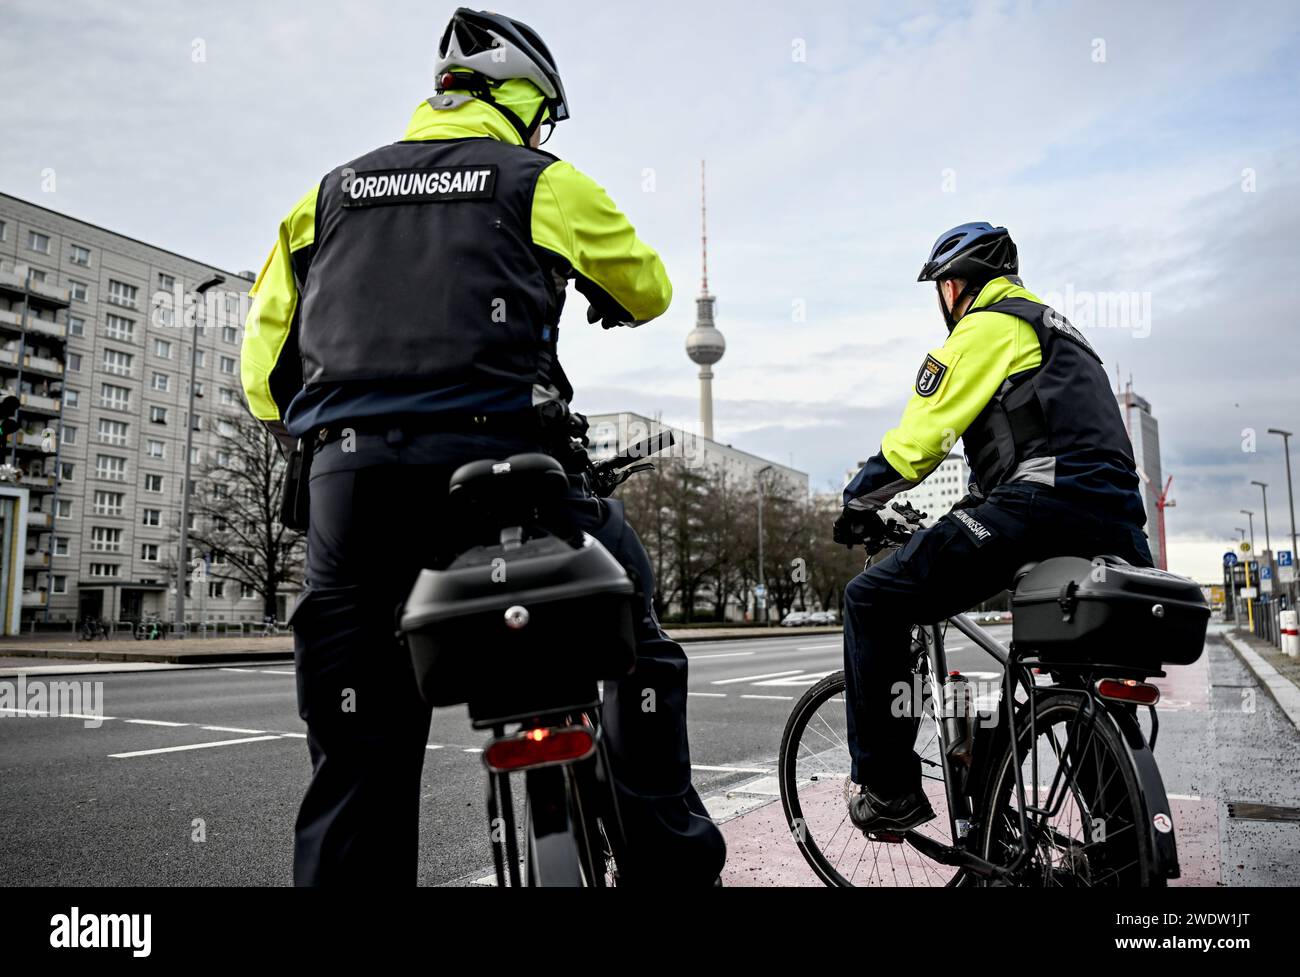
x,y
795,619
821,617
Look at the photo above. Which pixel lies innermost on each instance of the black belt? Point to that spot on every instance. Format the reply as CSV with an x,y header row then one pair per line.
x,y
523,423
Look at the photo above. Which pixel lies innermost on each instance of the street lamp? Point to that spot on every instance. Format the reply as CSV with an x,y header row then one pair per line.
x,y
183,555
1286,444
1263,487
1250,517
1241,530
762,581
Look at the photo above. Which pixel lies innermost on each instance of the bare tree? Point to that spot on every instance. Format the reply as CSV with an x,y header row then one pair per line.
x,y
237,505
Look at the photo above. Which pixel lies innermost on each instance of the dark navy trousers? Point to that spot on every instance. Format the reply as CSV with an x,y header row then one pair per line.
x,y
966,557
378,516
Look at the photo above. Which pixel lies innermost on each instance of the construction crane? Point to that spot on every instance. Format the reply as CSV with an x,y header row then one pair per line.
x,y
1163,502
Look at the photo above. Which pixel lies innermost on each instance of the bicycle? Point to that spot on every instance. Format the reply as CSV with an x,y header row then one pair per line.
x,y
494,630
1048,781
92,628
150,628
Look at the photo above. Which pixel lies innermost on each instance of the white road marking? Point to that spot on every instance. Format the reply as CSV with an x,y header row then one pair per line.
x,y
23,712
783,698
239,669
755,678
472,749
819,647
724,654
1183,797
727,769
153,722
434,746
709,695
233,729
273,671
803,678
191,746
297,736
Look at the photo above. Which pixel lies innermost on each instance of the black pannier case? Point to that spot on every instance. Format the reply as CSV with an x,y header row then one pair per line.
x,y
1070,609
578,602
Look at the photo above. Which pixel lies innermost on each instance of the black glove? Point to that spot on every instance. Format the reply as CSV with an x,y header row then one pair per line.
x,y
857,526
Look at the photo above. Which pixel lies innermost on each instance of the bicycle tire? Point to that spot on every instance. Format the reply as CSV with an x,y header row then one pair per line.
x,y
787,766
553,848
1064,705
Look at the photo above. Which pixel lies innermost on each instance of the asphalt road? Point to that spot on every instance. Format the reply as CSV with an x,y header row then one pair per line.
x,y
121,804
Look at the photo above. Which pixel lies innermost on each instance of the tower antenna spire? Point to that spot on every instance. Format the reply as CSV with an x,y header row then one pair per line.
x,y
704,235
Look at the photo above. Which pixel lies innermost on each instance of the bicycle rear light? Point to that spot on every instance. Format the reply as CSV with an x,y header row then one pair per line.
x,y
540,747
1128,690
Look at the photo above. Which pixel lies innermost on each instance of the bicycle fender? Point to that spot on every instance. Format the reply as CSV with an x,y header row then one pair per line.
x,y
1159,820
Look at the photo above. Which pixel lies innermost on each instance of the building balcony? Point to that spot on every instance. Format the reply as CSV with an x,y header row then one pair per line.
x,y
40,560
13,280
11,320
30,440
34,598
39,520
40,365
39,404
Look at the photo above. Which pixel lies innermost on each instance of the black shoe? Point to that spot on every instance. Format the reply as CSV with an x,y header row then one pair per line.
x,y
870,812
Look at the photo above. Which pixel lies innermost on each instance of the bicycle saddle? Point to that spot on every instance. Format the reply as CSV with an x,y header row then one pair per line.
x,y
531,477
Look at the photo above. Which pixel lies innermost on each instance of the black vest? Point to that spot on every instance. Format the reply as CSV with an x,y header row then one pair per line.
x,y
1062,407
423,269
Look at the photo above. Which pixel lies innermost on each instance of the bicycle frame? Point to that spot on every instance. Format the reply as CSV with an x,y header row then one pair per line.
x,y
1017,672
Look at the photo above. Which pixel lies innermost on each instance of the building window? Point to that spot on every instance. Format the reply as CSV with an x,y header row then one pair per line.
x,y
153,483
72,398
224,459
159,381
104,569
228,365
4,231
107,503
120,293
162,349
38,275
80,256
117,362
165,281
78,290
60,584
64,510
66,472
74,362
228,398
112,431
105,540
152,517
110,467
199,356
119,327
149,552
229,334
246,591
154,448
61,545
158,415
69,434
196,457
114,397
217,588
196,422
38,242
76,325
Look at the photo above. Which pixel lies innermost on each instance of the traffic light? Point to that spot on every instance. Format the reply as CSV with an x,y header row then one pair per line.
x,y
9,405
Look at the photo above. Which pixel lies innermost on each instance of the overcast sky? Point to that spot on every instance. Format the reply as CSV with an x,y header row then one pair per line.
x,y
1143,149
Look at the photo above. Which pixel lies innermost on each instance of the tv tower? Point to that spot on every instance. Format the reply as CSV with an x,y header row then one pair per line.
x,y
705,344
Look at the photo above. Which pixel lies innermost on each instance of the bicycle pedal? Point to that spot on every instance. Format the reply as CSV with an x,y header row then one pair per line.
x,y
887,837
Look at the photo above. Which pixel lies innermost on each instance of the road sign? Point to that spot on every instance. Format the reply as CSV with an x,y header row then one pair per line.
x,y
1245,547
1266,579
1249,593
1229,559
1284,558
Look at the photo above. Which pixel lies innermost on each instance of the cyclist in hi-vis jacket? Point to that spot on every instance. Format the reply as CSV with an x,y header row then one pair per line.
x,y
1052,474
413,301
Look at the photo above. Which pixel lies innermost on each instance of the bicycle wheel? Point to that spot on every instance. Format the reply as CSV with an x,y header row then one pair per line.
x,y
1094,835
813,763
556,852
